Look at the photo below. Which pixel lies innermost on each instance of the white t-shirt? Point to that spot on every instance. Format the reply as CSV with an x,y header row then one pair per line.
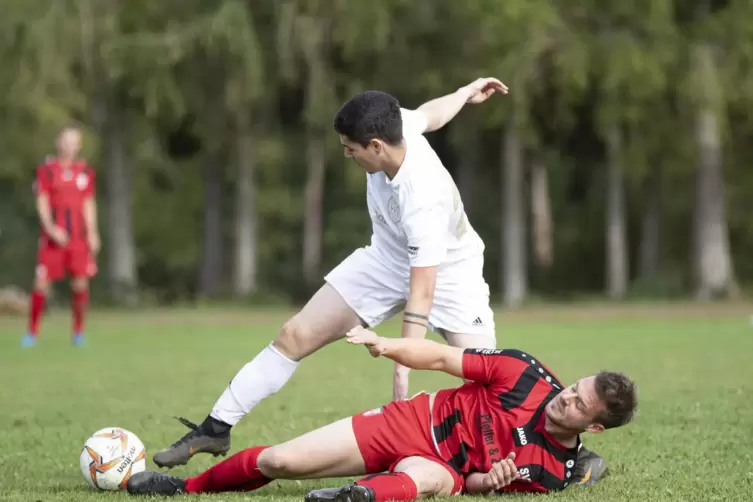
x,y
418,219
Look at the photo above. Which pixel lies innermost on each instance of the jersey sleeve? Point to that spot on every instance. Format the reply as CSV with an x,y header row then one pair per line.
x,y
43,180
414,122
425,226
497,367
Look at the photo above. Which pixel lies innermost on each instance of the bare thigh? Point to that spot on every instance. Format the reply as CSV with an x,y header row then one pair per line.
x,y
325,318
430,477
330,451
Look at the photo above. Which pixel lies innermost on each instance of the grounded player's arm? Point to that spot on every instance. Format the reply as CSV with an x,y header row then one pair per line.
x,y
502,474
415,353
416,316
478,483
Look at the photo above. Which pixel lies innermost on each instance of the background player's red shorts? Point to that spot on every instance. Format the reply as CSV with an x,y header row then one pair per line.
x,y
397,431
54,261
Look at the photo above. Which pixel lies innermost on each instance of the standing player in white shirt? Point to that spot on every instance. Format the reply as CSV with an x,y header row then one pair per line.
x,y
425,258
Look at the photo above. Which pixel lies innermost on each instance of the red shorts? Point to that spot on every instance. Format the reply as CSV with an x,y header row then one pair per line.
x,y
54,261
397,431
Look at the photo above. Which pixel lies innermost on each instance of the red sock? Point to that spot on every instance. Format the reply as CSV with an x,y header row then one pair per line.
x,y
396,486
79,304
236,474
36,308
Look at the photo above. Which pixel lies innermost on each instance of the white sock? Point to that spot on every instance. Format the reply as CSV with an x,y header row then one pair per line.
x,y
260,378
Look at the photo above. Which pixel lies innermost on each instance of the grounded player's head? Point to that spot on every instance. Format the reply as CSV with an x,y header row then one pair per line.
x,y
69,142
369,124
595,403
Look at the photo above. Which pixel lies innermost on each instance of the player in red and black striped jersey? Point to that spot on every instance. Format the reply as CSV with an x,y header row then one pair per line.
x,y
69,239
514,405
512,427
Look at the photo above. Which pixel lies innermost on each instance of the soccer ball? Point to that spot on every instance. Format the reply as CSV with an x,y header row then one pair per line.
x,y
110,456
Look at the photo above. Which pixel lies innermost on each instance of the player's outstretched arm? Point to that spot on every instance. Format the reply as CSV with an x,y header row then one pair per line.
x,y
440,111
415,353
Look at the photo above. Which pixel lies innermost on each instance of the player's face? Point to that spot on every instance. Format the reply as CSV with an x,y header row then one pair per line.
x,y
366,157
577,407
69,143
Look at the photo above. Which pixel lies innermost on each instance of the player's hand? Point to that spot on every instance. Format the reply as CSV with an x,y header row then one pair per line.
x,y
362,336
58,234
94,243
502,473
400,383
481,89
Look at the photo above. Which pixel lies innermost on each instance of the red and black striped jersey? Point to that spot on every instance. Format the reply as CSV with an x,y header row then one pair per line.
x,y
66,188
501,411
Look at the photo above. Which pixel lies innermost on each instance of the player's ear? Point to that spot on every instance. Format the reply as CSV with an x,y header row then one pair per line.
x,y
595,428
376,145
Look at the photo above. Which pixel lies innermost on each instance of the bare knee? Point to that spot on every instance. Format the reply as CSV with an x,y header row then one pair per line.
x,y
79,284
279,463
431,479
296,339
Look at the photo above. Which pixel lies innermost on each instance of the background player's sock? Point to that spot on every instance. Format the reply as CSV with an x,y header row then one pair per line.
x,y
36,308
260,378
79,304
237,473
390,486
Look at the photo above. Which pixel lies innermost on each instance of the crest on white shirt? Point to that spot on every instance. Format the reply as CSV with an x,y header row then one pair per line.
x,y
393,209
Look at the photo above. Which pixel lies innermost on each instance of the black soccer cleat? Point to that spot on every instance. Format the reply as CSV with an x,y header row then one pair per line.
x,y
590,468
348,493
155,483
199,440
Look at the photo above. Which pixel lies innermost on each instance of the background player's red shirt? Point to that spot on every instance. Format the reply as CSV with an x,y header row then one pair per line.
x,y
67,189
502,411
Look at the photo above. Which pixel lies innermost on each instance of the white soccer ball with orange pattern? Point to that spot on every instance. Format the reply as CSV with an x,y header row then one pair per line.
x,y
111,456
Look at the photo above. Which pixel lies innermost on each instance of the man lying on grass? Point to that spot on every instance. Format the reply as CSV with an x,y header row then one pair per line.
x,y
513,427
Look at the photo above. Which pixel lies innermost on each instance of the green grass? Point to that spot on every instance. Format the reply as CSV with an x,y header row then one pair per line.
x,y
692,439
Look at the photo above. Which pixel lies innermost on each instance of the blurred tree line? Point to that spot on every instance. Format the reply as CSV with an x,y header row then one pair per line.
x,y
619,163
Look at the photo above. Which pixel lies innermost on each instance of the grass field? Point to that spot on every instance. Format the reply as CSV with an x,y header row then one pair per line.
x,y
692,439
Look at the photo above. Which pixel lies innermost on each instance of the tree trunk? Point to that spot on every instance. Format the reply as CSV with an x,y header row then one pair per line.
x,y
713,262
314,197
616,227
210,278
514,277
650,246
541,209
121,248
245,280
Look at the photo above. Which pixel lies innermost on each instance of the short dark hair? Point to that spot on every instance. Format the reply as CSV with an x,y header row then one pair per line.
x,y
618,392
371,115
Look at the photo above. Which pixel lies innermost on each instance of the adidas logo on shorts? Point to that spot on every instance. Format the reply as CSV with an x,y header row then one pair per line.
x,y
477,322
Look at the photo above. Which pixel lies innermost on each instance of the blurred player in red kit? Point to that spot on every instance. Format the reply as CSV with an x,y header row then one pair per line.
x,y
69,240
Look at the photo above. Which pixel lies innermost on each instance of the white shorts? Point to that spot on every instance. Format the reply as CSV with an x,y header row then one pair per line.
x,y
376,292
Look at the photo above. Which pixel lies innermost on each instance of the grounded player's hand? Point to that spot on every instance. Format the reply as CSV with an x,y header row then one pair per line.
x,y
362,336
480,89
400,383
58,234
503,473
